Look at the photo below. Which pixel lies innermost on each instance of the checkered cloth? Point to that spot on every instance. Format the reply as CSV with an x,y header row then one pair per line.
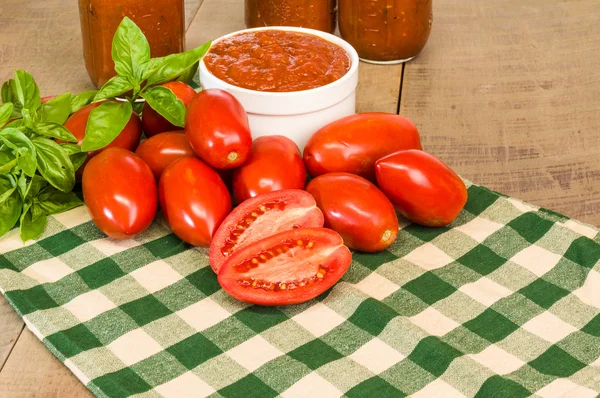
x,y
506,303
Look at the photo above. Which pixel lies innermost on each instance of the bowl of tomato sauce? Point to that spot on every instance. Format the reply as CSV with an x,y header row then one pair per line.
x,y
291,81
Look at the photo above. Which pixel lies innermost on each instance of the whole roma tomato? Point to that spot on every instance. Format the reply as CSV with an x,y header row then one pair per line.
x,y
422,187
353,144
262,216
275,163
120,193
194,200
290,267
152,122
163,149
128,138
216,125
356,209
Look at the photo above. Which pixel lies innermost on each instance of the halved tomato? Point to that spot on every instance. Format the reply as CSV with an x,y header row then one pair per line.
x,y
260,217
290,267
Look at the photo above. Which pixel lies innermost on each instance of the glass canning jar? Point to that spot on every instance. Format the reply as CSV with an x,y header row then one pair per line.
x,y
313,14
386,31
162,21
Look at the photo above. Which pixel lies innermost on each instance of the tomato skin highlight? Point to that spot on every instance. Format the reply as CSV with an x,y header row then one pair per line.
x,y
298,274
422,188
354,143
194,200
283,210
357,210
128,138
120,193
152,122
161,150
275,163
216,125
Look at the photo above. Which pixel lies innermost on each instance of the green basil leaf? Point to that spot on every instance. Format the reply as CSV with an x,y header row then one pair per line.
x,y
57,110
36,185
71,149
130,50
188,75
25,149
175,65
52,201
164,101
54,130
5,112
104,124
6,154
17,105
115,86
6,92
74,152
32,229
10,210
7,187
27,92
82,99
138,106
15,124
54,164
23,184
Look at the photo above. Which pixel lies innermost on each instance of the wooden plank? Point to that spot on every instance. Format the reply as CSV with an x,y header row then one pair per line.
x,y
11,327
379,86
506,92
32,371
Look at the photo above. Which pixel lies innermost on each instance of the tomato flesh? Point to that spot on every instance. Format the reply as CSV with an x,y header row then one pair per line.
x,y
262,216
290,267
421,187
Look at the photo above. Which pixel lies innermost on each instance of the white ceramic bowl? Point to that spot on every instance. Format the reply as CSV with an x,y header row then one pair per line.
x,y
296,115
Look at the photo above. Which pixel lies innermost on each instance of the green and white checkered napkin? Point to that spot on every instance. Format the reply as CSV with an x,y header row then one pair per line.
x,y
506,303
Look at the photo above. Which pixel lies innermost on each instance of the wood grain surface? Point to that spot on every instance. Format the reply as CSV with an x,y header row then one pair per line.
x,y
506,92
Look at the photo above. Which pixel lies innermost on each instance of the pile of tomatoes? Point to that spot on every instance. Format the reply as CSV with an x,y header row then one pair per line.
x,y
286,242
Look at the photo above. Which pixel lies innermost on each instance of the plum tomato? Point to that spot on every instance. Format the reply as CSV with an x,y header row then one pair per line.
x,y
290,267
260,217
152,122
128,138
120,193
422,187
216,125
357,210
275,163
354,143
161,150
194,200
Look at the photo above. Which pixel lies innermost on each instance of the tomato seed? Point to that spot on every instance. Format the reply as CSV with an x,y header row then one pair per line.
x,y
310,244
299,243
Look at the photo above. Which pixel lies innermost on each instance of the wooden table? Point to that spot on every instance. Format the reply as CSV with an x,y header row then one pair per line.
x,y
507,92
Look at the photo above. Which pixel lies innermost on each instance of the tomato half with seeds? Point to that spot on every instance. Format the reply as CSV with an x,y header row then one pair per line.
x,y
354,143
424,189
194,200
275,163
260,217
357,210
120,193
152,122
161,150
216,125
290,267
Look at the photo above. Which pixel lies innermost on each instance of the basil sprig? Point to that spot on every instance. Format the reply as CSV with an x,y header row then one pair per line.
x,y
37,174
138,76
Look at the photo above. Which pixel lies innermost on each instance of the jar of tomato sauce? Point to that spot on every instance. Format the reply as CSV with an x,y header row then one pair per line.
x,y
313,14
162,21
386,31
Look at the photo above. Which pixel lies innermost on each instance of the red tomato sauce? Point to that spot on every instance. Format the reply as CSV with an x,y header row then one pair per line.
x,y
277,61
